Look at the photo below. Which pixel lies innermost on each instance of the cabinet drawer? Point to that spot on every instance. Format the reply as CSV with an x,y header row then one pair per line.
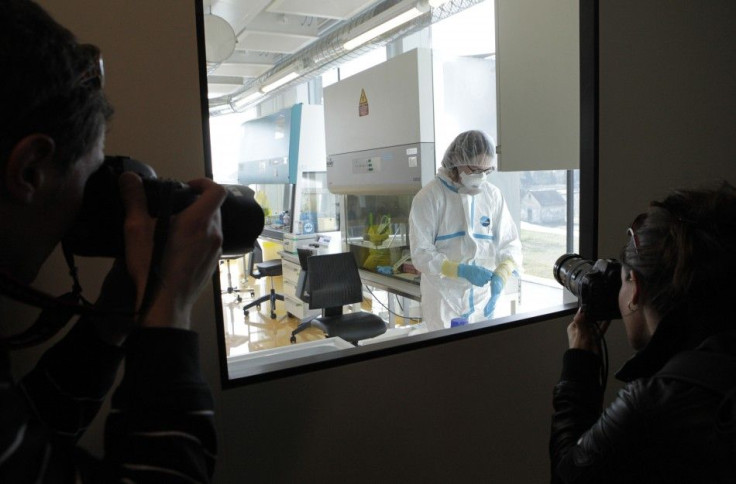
x,y
290,271
299,308
289,289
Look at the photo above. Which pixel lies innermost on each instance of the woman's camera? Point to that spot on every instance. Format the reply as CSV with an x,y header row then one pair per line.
x,y
596,284
99,229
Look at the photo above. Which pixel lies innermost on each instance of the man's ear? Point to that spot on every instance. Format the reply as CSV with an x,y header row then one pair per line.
x,y
27,167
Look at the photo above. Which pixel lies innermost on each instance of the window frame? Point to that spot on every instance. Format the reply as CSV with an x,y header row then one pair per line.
x,y
588,230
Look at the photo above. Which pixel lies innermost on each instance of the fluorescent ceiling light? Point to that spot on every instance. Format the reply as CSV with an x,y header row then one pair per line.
x,y
279,82
437,3
388,25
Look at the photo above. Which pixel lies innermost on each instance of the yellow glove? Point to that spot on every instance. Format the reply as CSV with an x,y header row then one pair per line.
x,y
449,268
504,270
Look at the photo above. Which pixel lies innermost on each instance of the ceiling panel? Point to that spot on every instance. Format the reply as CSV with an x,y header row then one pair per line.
x,y
238,12
240,69
334,9
273,41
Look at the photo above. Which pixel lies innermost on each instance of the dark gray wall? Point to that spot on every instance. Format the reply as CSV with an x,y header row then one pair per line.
x,y
469,411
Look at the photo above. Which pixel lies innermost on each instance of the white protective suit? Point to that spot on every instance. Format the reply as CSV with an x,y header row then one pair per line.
x,y
445,224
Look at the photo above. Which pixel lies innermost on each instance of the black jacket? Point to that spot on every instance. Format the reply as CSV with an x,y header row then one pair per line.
x,y
663,426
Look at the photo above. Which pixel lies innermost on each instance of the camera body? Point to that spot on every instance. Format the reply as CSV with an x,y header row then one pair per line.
x,y
595,283
98,230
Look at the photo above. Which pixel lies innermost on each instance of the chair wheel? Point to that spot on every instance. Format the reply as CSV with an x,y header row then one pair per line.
x,y
239,299
273,315
245,312
252,294
292,339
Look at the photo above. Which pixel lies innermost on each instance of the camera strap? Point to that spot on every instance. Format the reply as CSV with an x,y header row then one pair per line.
x,y
160,236
56,311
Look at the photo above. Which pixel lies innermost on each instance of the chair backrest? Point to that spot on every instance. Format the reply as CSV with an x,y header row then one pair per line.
x,y
302,283
333,281
255,257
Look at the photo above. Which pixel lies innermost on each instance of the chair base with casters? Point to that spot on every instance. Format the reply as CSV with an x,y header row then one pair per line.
x,y
231,289
269,268
351,327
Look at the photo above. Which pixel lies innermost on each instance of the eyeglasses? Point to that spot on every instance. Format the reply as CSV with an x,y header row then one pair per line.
x,y
635,226
94,74
478,171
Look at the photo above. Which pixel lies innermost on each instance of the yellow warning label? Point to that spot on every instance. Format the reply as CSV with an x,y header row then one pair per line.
x,y
363,104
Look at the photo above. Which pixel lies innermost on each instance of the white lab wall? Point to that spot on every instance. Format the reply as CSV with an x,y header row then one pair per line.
x,y
474,410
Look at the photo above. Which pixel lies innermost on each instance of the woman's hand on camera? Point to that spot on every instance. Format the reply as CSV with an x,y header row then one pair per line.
x,y
190,256
584,334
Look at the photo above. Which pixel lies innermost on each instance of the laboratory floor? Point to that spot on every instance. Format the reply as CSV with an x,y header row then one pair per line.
x,y
257,331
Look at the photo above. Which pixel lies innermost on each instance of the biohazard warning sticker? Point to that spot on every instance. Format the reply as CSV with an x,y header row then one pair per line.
x,y
363,104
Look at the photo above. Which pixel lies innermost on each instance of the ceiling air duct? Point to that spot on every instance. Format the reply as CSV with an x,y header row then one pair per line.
x,y
330,50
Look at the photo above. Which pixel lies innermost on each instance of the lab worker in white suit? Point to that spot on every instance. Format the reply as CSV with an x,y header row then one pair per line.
x,y
463,239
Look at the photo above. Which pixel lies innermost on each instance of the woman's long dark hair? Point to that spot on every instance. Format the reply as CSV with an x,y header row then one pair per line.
x,y
684,253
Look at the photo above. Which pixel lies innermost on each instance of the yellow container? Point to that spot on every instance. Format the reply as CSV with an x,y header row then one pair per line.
x,y
271,249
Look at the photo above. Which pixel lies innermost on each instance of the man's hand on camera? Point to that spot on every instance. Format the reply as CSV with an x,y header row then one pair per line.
x,y
190,256
584,334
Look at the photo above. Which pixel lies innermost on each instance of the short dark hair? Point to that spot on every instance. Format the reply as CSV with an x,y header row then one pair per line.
x,y
44,87
684,252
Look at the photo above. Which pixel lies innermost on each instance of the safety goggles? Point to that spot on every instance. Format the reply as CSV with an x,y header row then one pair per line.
x,y
474,170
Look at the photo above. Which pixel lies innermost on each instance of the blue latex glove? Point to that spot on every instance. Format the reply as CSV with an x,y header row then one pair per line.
x,y
496,290
477,275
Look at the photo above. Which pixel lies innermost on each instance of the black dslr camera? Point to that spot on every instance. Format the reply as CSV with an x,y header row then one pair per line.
x,y
99,229
596,284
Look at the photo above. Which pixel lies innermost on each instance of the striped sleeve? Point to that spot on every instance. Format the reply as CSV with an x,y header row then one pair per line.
x,y
161,425
43,416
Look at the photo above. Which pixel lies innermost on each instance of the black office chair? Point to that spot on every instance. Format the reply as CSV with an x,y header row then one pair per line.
x,y
259,268
328,282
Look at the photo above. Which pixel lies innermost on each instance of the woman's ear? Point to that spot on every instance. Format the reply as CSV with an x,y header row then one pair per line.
x,y
27,167
636,292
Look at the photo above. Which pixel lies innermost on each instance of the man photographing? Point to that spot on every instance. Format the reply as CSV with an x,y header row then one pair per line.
x,y
53,116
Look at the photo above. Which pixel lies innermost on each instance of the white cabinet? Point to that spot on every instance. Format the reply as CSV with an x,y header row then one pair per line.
x,y
294,305
538,75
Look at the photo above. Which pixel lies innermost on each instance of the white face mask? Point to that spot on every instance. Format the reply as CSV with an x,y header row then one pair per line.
x,y
472,182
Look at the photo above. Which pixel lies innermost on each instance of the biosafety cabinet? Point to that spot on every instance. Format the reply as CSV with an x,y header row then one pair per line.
x,y
282,157
379,128
379,134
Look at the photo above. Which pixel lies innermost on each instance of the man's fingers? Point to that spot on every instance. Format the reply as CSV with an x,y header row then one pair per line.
x,y
212,195
131,191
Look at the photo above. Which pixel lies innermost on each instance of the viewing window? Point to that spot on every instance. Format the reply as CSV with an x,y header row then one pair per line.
x,y
538,175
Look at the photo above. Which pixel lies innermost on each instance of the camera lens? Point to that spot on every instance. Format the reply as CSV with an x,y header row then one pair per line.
x,y
569,271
